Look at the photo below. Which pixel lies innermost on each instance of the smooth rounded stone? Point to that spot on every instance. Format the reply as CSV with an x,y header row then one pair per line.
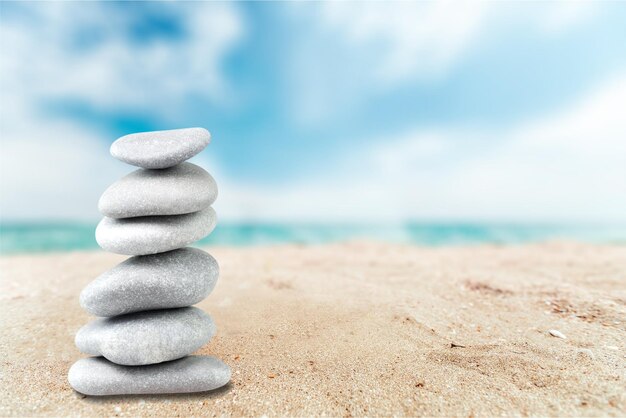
x,y
177,190
99,377
160,149
147,337
160,281
154,234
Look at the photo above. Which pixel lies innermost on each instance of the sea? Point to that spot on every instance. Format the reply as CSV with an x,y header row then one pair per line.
x,y
18,238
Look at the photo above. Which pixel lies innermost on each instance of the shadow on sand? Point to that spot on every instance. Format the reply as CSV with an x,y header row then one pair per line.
x,y
114,399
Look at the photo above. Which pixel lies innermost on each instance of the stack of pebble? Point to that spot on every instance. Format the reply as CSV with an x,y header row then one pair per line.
x,y
148,327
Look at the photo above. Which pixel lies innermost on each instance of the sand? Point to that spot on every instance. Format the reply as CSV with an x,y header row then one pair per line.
x,y
354,329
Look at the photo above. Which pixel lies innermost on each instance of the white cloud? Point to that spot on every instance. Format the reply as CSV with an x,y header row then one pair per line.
x,y
568,166
427,39
419,39
351,53
571,165
55,170
39,58
52,168
559,17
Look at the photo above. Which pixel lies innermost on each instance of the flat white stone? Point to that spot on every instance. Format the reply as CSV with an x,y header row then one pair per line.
x,y
177,190
147,337
173,279
160,149
154,234
97,376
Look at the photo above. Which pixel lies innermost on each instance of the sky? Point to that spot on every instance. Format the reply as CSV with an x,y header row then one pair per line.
x,y
375,112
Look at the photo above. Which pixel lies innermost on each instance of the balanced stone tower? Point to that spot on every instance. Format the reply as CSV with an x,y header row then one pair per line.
x,y
148,328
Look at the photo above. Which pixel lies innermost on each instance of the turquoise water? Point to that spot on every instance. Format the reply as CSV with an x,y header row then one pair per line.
x,y
26,238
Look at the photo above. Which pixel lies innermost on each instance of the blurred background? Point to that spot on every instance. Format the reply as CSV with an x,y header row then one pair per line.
x,y
429,123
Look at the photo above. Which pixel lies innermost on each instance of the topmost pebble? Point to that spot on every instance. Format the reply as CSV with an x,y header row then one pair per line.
x,y
160,149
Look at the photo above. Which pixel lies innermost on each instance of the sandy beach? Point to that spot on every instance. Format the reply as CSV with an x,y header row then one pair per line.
x,y
354,329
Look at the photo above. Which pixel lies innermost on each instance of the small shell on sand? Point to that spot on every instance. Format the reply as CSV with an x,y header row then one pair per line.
x,y
557,334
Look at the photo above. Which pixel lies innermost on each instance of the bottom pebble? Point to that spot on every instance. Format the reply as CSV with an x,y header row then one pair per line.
x,y
98,376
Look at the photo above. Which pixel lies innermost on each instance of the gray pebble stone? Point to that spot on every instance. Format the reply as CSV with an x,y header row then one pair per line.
x,y
147,337
160,281
99,377
160,149
154,234
184,188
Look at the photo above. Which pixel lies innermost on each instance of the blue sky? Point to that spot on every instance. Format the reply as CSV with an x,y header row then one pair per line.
x,y
373,112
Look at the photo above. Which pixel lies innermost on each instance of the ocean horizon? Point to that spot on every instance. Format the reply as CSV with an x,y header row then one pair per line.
x,y
20,237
